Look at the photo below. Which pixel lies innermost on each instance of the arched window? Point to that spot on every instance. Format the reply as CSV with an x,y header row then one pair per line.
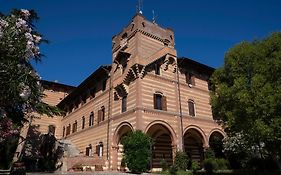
x,y
160,102
89,150
63,131
51,129
74,127
83,122
68,128
91,119
191,108
101,114
99,149
190,79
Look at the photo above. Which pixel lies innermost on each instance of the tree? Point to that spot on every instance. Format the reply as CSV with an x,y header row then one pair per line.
x,y
246,96
137,151
21,92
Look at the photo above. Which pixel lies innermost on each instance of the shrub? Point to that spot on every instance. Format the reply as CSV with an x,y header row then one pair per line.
x,y
181,160
209,153
163,165
137,152
210,165
173,170
223,164
194,167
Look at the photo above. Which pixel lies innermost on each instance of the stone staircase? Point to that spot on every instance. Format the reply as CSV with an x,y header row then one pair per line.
x,y
73,160
70,149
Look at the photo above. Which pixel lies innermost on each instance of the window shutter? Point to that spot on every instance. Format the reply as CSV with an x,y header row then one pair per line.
x,y
97,150
164,103
93,119
99,115
67,130
87,151
90,120
102,114
63,131
191,108
155,101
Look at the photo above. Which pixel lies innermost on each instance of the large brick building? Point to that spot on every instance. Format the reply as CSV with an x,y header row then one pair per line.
x,y
147,87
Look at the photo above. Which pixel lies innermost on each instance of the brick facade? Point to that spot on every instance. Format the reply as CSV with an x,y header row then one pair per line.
x,y
147,87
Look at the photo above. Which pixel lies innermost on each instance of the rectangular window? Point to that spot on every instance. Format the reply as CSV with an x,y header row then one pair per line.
x,y
68,128
101,115
83,122
124,104
52,129
74,127
87,151
99,149
91,119
160,102
190,78
157,69
191,108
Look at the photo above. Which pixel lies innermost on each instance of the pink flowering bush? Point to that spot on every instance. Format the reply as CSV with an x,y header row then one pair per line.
x,y
21,92
19,45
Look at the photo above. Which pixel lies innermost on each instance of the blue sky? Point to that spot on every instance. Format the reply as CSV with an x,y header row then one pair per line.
x,y
80,32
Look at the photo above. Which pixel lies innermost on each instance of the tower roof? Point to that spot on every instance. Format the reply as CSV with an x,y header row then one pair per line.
x,y
140,24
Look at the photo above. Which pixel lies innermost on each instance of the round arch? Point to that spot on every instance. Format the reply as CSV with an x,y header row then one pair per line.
x,y
117,152
199,131
194,141
218,130
123,128
168,126
164,143
216,142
